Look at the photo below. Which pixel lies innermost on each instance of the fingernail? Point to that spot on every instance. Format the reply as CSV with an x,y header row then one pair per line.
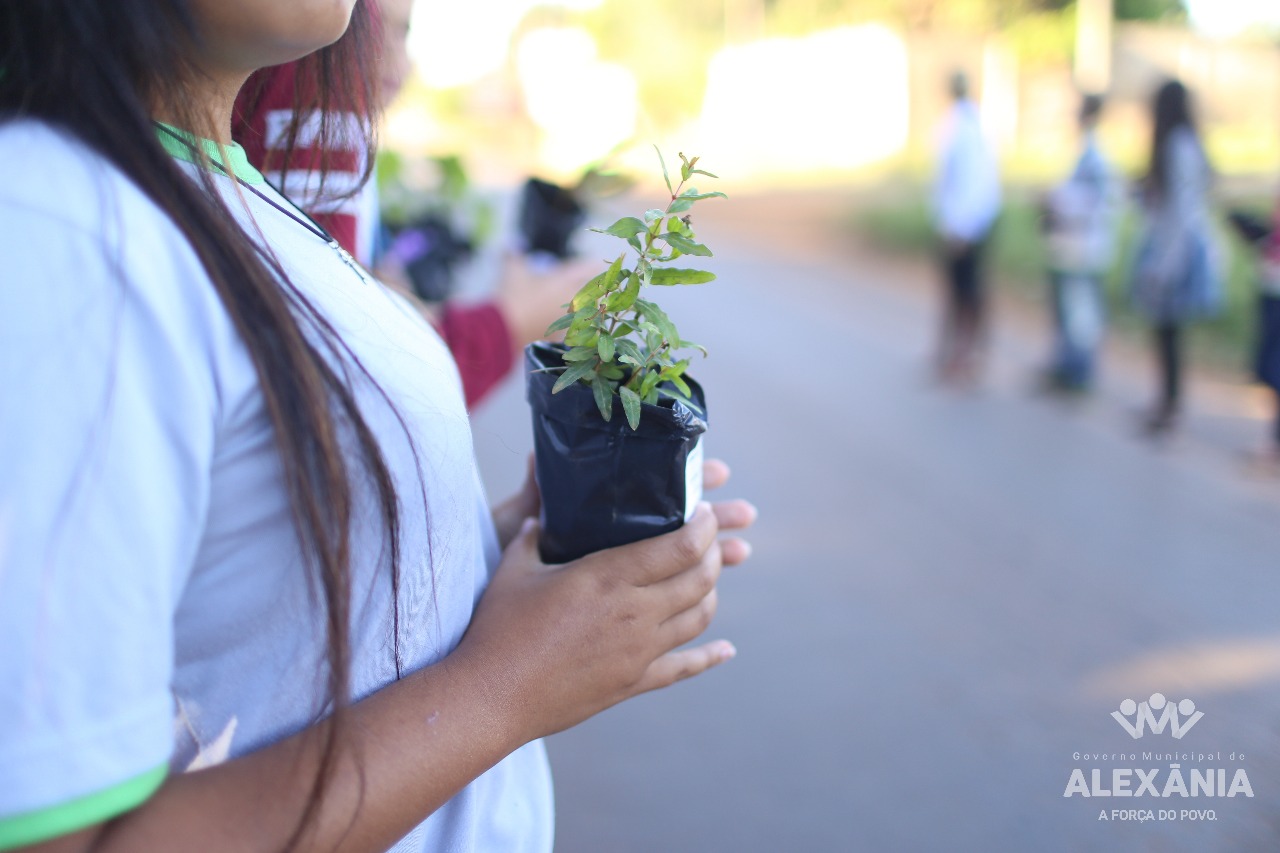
x,y
727,652
528,525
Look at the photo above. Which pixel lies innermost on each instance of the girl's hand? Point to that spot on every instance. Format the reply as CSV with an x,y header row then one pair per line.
x,y
566,642
509,515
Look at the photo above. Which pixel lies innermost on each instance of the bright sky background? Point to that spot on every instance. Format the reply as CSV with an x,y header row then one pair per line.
x,y
454,43
1223,17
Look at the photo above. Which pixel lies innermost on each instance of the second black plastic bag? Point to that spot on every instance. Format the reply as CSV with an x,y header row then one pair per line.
x,y
549,217
602,483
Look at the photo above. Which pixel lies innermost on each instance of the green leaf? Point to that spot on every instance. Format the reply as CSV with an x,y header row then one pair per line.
x,y
572,375
581,337
675,369
668,277
649,384
693,195
605,346
579,353
629,349
590,292
684,244
622,300
628,226
651,329
658,317
681,384
631,406
665,176
691,345
559,325
614,272
705,172
635,243
612,372
604,397
680,205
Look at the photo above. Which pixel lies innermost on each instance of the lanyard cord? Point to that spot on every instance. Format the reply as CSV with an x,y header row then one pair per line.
x,y
308,223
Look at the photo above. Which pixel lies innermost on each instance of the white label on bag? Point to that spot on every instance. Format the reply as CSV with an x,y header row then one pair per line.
x,y
693,480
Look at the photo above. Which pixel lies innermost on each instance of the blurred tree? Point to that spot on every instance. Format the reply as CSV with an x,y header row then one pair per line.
x,y
666,43
1151,10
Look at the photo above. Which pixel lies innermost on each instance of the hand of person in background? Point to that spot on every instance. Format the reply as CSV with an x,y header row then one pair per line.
x,y
532,295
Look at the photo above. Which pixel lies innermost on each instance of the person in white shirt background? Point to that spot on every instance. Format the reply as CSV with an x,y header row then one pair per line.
x,y
966,202
252,596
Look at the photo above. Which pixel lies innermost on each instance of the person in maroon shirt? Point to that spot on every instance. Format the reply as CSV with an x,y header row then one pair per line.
x,y
485,337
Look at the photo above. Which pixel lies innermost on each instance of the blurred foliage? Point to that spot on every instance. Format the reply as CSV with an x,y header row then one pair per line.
x,y
666,43
413,188
1150,10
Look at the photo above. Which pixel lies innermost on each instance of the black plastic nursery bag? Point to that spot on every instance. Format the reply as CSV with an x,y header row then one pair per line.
x,y
549,216
602,483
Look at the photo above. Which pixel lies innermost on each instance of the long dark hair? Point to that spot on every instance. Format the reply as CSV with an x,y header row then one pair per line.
x,y
326,91
1171,110
97,70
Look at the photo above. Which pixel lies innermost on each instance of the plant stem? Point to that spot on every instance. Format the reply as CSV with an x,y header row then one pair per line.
x,y
615,321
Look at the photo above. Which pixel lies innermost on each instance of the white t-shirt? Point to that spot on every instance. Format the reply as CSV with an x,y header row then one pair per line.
x,y
153,606
966,192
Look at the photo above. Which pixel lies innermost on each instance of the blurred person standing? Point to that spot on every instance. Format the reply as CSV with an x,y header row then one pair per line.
x,y
1175,275
966,201
1265,239
1079,224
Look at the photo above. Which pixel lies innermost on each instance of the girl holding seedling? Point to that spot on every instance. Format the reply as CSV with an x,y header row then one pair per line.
x,y
251,597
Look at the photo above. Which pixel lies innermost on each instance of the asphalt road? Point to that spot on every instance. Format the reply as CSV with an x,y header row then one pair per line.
x,y
950,594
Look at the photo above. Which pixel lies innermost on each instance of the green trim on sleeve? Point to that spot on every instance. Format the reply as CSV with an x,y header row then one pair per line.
x,y
51,822
236,160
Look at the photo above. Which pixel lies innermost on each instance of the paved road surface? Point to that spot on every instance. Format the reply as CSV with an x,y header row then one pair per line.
x,y
949,596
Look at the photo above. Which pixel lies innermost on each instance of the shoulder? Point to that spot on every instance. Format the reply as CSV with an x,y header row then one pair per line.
x,y
98,259
45,170
55,188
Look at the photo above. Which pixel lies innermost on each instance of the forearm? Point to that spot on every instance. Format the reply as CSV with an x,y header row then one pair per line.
x,y
400,755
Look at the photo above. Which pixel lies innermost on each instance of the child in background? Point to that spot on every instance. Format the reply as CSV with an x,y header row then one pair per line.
x,y
1079,222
